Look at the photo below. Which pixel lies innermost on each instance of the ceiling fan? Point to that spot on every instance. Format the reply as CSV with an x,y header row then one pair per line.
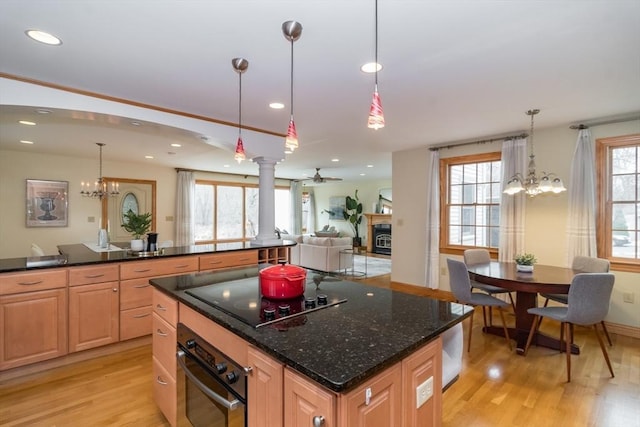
x,y
317,178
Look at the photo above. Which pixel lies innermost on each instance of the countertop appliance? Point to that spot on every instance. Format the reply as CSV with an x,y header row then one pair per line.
x,y
212,389
242,299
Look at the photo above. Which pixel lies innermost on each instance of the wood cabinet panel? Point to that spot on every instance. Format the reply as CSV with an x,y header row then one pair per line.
x,y
135,322
265,390
165,392
165,307
93,315
14,283
376,403
135,293
226,260
93,274
33,327
305,401
416,369
158,267
164,344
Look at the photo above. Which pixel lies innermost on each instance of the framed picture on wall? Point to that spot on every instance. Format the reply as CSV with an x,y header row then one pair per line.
x,y
337,205
47,203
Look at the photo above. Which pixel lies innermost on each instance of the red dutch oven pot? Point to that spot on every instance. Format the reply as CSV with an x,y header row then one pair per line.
x,y
282,281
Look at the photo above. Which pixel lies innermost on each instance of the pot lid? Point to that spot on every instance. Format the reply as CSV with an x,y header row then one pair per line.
x,y
282,270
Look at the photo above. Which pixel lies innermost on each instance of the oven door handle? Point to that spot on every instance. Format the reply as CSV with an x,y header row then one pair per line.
x,y
230,404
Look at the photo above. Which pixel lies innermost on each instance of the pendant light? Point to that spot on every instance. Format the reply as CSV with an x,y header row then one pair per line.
x,y
240,65
376,115
100,188
292,31
531,184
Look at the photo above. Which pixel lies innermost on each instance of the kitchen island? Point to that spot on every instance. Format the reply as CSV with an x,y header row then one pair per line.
x,y
379,343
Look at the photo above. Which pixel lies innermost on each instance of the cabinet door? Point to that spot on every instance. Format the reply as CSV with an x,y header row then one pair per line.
x,y
264,390
423,368
376,403
93,315
135,293
33,327
305,401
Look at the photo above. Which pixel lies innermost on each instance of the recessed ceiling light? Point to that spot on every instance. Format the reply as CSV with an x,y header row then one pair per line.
x,y
27,122
176,145
335,160
276,105
43,111
369,166
24,141
288,152
148,157
363,174
371,67
43,37
225,166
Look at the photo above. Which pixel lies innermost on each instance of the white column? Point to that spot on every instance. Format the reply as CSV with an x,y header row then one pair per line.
x,y
266,199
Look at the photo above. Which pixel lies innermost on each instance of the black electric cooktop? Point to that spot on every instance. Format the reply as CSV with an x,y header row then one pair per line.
x,y
242,300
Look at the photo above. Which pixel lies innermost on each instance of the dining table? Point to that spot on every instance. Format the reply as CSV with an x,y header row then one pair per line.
x,y
545,279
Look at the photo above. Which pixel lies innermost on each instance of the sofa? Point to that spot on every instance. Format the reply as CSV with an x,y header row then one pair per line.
x,y
320,253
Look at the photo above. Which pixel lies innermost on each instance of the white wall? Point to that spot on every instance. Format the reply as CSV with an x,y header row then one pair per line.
x,y
546,216
16,167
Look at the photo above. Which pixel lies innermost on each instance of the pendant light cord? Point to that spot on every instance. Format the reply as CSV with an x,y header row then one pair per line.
x,y
240,107
376,43
531,133
291,81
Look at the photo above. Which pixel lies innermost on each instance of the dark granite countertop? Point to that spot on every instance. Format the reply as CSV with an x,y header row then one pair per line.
x,y
340,346
79,254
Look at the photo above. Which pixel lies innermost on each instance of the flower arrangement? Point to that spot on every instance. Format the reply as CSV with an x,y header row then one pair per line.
x,y
525,259
136,224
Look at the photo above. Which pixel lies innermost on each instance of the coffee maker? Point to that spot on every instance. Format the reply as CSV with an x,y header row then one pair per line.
x,y
152,242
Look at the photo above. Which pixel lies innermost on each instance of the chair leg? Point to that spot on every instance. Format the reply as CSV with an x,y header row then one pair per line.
x,y
561,336
504,326
513,304
604,351
534,326
470,329
484,315
606,333
546,302
567,331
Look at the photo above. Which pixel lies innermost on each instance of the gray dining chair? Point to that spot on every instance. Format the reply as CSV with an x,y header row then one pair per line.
x,y
461,287
583,264
481,256
588,304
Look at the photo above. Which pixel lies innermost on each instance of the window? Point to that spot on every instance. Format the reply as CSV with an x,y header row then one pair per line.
x,y
470,192
618,198
229,212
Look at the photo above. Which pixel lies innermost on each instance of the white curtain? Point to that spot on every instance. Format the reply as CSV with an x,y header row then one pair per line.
x,y
311,216
512,208
581,229
185,204
295,192
432,263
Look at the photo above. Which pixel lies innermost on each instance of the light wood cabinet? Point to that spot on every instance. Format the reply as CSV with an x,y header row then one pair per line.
x,y
416,370
158,267
265,390
228,260
165,392
273,255
165,320
93,274
376,403
306,402
93,315
33,327
135,308
15,283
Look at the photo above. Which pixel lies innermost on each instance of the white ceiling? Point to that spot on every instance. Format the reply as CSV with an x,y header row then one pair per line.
x,y
453,71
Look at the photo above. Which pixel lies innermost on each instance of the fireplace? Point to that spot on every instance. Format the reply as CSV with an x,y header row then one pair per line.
x,y
381,240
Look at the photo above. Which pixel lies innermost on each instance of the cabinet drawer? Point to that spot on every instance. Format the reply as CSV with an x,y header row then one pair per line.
x,y
158,267
135,293
15,283
165,307
165,392
164,343
231,259
135,322
93,274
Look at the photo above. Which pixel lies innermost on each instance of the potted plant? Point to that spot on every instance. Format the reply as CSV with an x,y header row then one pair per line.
x,y
353,214
525,261
138,225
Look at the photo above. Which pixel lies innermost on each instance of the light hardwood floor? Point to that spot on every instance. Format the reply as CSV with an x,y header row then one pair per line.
x,y
496,387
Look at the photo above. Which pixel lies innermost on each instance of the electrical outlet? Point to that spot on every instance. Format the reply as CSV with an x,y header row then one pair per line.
x,y
168,218
91,219
424,392
628,297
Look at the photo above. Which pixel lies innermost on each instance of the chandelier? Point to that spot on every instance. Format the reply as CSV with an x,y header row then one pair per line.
x,y
376,115
292,31
531,184
100,188
240,65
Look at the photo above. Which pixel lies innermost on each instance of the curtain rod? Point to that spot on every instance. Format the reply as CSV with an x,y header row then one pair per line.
x,y
586,124
481,141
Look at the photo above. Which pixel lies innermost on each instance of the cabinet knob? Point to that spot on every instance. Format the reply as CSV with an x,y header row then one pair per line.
x,y
318,421
115,289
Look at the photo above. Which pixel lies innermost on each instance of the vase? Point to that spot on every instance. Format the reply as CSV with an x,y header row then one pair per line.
x,y
524,268
137,245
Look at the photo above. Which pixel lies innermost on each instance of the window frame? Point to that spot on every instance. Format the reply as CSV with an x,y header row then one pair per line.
x,y
604,214
445,163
